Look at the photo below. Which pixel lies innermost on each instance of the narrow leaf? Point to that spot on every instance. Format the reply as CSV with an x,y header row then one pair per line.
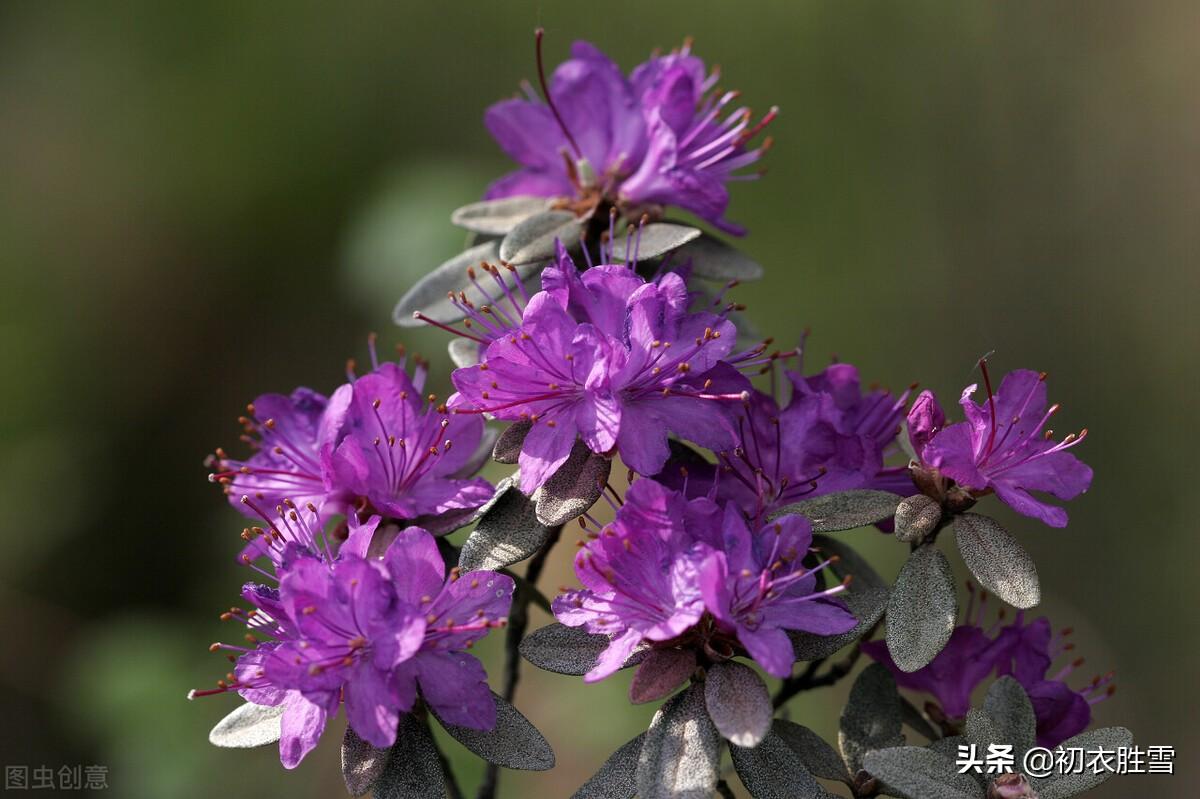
x,y
249,726
660,673
429,294
617,778
773,770
845,510
681,752
497,217
917,773
1009,707
507,533
508,446
922,609
653,241
533,239
821,759
361,763
413,770
997,560
738,703
574,488
1060,786
512,743
872,716
568,650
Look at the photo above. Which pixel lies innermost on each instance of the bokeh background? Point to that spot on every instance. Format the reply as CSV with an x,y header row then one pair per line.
x,y
203,202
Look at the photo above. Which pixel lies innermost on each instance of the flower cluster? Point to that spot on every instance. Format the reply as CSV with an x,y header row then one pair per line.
x,y
678,573
1024,651
661,136
707,558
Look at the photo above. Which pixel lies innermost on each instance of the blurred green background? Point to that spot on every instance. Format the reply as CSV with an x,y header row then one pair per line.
x,y
203,202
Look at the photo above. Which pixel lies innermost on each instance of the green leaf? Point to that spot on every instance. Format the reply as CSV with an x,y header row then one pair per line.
x,y
508,446
738,703
660,673
508,531
997,560
916,517
249,726
463,352
428,295
574,488
657,239
1009,707
361,763
845,510
413,770
818,756
773,770
917,773
922,609
872,717
569,650
512,743
497,217
1060,786
617,778
713,259
533,239
681,752
866,597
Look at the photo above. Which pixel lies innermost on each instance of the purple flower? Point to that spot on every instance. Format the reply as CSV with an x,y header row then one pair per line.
x,y
290,435
1000,447
757,587
662,136
367,632
404,455
1062,712
1024,652
680,573
611,358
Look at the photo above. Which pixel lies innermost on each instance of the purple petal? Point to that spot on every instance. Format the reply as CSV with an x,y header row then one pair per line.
x,y
544,450
371,707
416,566
612,658
455,685
302,723
770,647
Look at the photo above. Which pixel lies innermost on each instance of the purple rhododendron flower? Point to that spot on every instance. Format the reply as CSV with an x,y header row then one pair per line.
x,y
830,437
403,455
661,136
368,632
681,573
1000,447
290,435
1024,652
1062,712
609,357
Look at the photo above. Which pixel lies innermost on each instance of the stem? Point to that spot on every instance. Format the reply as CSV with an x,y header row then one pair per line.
x,y
724,791
518,622
809,679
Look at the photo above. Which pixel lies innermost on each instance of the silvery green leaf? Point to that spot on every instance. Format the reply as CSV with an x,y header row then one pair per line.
x,y
997,560
507,533
738,703
428,295
821,759
916,773
249,726
569,650
533,239
1060,786
617,778
481,455
845,510
414,769
948,746
917,721
773,770
463,352
656,239
1009,707
361,763
497,217
660,673
508,446
866,597
713,259
681,752
922,609
574,488
916,517
872,717
512,743
980,729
